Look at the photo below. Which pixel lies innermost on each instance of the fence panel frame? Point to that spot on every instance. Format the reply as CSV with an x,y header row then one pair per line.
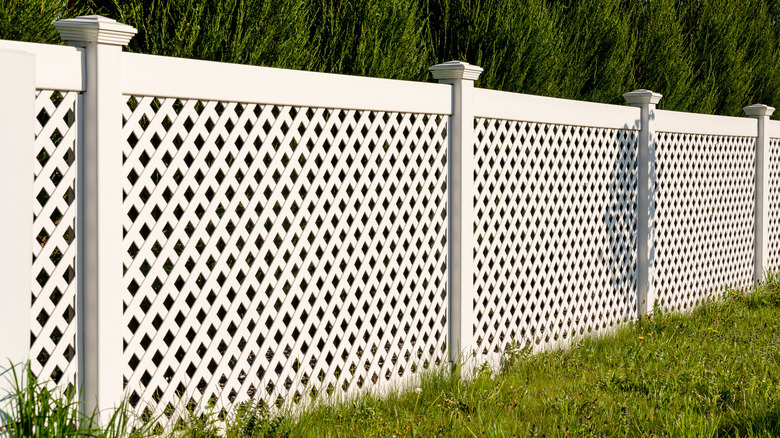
x,y
17,112
160,76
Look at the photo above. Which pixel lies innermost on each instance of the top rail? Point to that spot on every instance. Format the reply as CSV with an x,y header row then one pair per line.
x,y
693,123
774,128
529,108
151,75
56,67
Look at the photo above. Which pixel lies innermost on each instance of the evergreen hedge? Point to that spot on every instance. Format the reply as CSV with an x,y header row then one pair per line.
x,y
708,56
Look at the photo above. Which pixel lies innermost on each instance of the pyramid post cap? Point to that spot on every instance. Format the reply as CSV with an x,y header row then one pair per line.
x,y
642,97
758,110
455,70
94,29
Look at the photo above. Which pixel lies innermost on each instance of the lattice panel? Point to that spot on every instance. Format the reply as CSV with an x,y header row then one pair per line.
x,y
774,204
53,341
275,252
704,198
555,231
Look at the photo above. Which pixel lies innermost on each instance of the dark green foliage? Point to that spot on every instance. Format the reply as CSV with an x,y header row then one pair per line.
x,y
720,40
598,51
248,32
516,42
710,56
662,62
382,38
30,20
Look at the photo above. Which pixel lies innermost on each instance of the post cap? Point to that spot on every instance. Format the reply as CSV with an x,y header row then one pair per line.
x,y
642,97
455,70
758,110
94,29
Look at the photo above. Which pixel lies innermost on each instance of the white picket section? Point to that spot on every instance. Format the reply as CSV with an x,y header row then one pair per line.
x,y
285,235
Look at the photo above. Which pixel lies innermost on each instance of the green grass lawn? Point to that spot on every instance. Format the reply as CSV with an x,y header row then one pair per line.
x,y
710,373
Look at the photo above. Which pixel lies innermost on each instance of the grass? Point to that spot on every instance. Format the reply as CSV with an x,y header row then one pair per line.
x,y
34,410
714,372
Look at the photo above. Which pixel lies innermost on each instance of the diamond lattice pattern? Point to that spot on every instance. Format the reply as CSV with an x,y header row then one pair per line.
x,y
53,325
555,231
773,238
276,252
704,194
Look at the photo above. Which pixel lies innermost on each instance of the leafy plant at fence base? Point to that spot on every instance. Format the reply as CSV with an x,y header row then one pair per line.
x,y
34,409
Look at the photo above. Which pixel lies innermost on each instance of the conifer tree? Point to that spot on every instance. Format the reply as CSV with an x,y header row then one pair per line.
x,y
709,56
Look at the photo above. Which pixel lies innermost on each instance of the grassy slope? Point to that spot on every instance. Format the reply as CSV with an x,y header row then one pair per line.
x,y
713,373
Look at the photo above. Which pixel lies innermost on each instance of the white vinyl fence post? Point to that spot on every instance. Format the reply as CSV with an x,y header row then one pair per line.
x,y
17,141
646,100
99,197
460,211
761,113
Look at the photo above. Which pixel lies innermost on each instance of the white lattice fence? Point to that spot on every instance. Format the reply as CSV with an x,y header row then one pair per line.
x,y
774,204
279,251
704,219
274,252
555,231
53,347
